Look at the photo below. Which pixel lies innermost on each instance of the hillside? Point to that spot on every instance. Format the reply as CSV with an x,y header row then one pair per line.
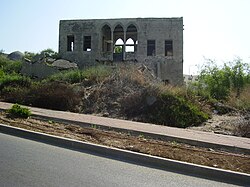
x,y
125,91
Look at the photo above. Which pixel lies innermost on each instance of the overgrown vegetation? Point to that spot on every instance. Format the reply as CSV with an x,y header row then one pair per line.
x,y
127,92
90,75
9,66
53,95
18,111
227,84
45,53
218,83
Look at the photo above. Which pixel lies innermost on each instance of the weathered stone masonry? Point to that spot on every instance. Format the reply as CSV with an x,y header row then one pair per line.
x,y
156,42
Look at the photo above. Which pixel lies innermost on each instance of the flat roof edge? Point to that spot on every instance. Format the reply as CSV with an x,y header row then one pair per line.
x,y
138,18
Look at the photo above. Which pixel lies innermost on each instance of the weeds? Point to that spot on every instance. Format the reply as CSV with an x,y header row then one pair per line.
x,y
126,91
94,126
141,136
14,80
10,66
243,101
91,75
18,111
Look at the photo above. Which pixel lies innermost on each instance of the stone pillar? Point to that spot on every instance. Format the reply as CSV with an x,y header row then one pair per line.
x,y
112,45
158,69
124,45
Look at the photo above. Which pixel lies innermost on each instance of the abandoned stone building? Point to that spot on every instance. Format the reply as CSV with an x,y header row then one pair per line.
x,y
155,42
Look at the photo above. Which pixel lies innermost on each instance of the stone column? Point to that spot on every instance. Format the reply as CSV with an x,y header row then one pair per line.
x,y
112,44
158,69
124,45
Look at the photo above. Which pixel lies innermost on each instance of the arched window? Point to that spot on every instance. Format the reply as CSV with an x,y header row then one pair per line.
x,y
118,46
106,39
130,45
131,34
119,41
118,32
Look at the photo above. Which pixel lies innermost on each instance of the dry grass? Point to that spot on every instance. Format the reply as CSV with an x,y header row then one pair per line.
x,y
242,102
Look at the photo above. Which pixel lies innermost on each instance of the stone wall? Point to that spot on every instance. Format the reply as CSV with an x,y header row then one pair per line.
x,y
105,32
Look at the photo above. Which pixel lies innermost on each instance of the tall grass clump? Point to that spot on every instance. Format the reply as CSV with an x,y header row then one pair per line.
x,y
243,101
71,76
93,75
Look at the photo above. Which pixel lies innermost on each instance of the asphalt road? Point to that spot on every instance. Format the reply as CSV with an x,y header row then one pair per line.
x,y
28,163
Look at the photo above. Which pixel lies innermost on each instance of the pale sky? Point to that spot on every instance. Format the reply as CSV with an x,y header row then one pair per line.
x,y
214,29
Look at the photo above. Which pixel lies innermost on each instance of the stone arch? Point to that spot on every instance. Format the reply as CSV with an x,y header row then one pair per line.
x,y
104,24
118,32
131,32
106,38
119,41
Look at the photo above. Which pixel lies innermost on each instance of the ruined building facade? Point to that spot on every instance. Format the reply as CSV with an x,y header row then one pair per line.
x,y
155,42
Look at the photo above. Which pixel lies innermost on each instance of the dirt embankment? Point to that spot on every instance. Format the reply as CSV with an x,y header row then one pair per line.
x,y
172,150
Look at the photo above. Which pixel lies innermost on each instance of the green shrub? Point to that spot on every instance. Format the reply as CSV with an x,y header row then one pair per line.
x,y
163,107
91,75
72,76
50,53
10,66
29,55
218,82
175,111
14,80
96,73
18,111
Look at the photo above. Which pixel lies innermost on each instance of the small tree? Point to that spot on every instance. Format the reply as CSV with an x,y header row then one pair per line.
x,y
29,55
49,53
215,81
238,76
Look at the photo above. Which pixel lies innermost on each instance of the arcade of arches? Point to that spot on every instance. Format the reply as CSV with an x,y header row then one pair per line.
x,y
119,41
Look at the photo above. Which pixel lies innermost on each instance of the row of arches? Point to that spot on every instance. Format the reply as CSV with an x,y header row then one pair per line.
x,y
130,45
119,40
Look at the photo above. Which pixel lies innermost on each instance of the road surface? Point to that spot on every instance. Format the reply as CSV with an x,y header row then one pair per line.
x,y
28,163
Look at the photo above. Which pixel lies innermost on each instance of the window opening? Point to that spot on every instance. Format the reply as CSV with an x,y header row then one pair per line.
x,y
168,48
70,43
151,47
130,47
166,82
87,43
106,39
118,46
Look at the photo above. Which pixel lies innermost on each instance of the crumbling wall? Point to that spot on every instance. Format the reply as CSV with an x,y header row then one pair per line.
x,y
169,68
38,70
